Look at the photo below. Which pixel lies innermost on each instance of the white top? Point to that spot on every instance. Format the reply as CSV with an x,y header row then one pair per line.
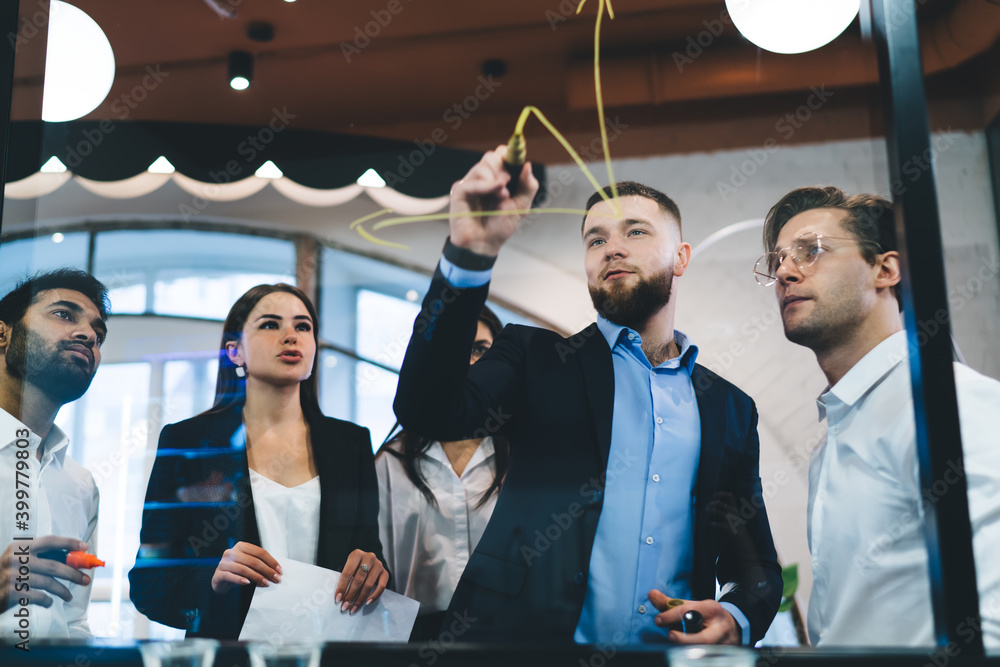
x,y
287,517
62,500
427,548
871,585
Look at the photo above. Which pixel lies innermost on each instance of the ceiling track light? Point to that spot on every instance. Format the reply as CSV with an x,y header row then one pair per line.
x,y
240,70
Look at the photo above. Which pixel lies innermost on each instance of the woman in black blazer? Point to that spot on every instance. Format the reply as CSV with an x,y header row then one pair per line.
x,y
202,553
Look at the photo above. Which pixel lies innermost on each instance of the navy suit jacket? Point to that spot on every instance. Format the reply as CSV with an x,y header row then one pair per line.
x,y
188,539
553,398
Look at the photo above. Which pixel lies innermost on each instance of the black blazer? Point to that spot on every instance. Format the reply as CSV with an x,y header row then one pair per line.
x,y
188,539
553,398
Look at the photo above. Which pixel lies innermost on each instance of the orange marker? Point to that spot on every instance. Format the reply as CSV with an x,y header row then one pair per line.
x,y
80,560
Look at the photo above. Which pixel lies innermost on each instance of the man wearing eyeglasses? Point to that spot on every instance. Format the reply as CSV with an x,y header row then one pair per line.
x,y
835,268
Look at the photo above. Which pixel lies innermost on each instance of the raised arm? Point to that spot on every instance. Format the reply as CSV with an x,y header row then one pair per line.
x,y
438,395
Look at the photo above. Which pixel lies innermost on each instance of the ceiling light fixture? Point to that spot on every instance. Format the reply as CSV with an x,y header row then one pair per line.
x,y
260,31
371,179
792,26
268,170
53,166
79,65
240,70
161,165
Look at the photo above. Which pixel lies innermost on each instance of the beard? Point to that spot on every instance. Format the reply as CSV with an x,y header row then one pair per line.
x,y
632,307
33,360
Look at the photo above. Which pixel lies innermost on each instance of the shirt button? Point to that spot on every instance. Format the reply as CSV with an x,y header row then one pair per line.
x,y
642,609
631,336
656,478
659,420
834,430
579,578
649,540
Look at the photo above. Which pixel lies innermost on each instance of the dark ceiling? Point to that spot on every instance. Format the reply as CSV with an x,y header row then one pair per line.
x,y
413,70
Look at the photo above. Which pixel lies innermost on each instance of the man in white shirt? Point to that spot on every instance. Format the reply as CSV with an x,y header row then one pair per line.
x,y
51,330
834,264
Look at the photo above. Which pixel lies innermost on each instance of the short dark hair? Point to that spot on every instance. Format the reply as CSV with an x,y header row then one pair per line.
x,y
628,188
231,389
16,303
870,219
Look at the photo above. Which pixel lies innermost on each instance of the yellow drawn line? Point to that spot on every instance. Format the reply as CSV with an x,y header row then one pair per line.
x,y
519,130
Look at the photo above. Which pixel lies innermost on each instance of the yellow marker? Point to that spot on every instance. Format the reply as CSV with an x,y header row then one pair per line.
x,y
516,155
513,162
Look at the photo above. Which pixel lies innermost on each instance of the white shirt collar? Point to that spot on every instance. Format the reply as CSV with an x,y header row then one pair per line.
x,y
56,442
836,401
482,454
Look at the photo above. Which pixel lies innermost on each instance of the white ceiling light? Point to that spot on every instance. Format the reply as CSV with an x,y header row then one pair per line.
x,y
161,165
240,70
268,170
792,26
79,64
53,166
371,179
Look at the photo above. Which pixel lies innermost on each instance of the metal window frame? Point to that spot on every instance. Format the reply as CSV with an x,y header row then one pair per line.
x,y
947,528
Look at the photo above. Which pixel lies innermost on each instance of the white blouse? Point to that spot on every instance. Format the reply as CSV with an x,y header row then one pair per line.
x,y
427,548
287,517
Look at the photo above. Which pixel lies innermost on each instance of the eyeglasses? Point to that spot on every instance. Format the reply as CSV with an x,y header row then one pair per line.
x,y
803,251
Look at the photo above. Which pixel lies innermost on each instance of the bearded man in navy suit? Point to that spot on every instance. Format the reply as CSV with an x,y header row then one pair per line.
x,y
633,474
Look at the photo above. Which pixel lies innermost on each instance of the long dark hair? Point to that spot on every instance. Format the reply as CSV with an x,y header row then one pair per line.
x,y
231,389
414,446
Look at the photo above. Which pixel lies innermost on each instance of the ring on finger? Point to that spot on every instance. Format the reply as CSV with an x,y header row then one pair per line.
x,y
364,567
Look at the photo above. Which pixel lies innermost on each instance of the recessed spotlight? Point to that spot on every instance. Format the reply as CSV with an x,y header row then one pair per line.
x,y
330,361
240,70
58,237
412,295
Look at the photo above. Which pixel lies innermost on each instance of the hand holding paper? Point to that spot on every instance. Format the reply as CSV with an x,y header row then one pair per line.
x,y
362,581
242,564
303,608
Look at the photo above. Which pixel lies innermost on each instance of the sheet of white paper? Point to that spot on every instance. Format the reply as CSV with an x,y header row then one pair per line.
x,y
301,608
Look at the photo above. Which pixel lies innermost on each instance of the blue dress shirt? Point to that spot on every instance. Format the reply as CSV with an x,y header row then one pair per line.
x,y
652,467
645,536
